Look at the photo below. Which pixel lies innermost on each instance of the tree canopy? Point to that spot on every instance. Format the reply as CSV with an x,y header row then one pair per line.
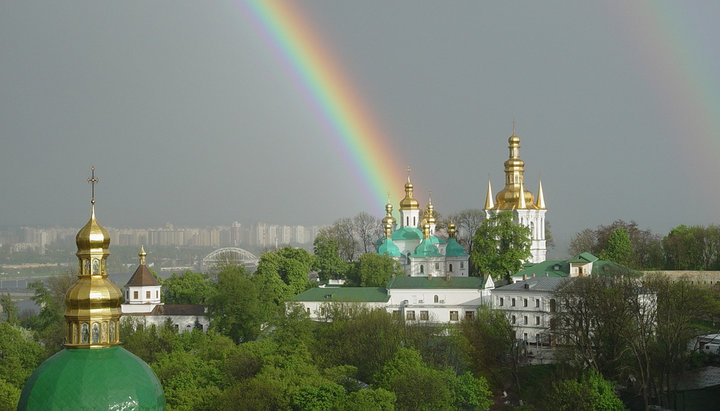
x,y
500,245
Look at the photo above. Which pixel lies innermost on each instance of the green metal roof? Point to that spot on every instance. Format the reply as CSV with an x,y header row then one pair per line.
x,y
93,379
435,282
549,268
389,248
407,233
437,240
344,294
583,258
426,249
454,249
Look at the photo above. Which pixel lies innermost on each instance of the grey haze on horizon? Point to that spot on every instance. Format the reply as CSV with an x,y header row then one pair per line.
x,y
190,118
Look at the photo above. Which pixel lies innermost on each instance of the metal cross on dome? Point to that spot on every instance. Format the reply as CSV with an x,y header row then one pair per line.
x,y
92,180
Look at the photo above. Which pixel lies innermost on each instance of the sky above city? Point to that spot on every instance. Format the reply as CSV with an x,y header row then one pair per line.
x,y
303,112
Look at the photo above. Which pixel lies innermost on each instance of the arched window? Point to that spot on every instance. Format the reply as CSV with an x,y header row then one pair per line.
x,y
422,269
450,267
436,299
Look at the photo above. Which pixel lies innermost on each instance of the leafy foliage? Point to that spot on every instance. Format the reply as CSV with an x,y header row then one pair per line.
x,y
327,260
374,270
590,393
647,249
187,288
500,245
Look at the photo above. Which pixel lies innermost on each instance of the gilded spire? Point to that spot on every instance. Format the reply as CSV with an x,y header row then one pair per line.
x,y
92,305
510,196
430,211
426,231
409,203
489,205
142,255
451,230
388,222
541,198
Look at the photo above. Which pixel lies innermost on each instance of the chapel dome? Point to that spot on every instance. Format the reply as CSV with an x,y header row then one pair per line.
x,y
92,379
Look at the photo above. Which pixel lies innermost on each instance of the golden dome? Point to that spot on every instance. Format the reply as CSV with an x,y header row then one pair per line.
x,y
429,217
409,203
92,305
92,236
451,230
510,197
388,222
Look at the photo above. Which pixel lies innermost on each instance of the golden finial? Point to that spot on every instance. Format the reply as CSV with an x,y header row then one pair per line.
x,y
541,198
513,125
451,229
92,180
142,255
489,205
408,172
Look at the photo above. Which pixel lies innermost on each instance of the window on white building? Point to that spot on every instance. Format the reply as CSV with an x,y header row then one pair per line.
x,y
525,302
537,320
469,315
462,264
453,315
436,299
437,266
135,295
424,316
525,320
512,302
147,294
513,320
450,267
537,303
502,301
422,269
396,313
410,315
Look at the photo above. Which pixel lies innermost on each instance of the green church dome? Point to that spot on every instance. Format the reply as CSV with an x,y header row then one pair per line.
x,y
93,379
389,248
454,249
426,249
407,233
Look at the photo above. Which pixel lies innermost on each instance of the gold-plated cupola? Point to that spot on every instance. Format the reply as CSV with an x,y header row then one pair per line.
x,y
409,203
509,198
92,305
388,222
429,217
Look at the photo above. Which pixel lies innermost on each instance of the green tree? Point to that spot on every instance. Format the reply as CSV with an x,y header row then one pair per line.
x,y
619,248
692,248
9,395
417,386
187,288
9,308
234,307
343,232
590,393
327,260
490,339
49,323
373,270
292,265
378,399
647,247
500,245
19,354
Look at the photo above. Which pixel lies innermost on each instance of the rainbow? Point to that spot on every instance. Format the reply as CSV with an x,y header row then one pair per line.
x,y
664,40
358,138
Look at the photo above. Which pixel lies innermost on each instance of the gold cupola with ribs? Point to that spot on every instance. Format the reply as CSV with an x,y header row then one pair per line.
x,y
92,305
388,222
510,197
408,202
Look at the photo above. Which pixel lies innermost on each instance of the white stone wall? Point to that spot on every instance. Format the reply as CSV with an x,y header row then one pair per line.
x,y
142,298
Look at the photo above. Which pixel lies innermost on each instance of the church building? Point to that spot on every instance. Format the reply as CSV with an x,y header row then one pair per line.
x,y
526,210
414,244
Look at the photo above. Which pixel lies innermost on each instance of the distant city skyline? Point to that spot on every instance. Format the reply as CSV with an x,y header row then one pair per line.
x,y
196,115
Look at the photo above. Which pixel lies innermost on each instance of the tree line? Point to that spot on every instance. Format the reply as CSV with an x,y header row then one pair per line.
x,y
683,248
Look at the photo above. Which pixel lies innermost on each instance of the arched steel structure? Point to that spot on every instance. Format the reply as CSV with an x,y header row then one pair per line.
x,y
232,255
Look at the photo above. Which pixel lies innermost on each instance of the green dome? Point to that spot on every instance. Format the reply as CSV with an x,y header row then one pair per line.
x,y
407,233
426,249
454,249
436,240
389,248
93,379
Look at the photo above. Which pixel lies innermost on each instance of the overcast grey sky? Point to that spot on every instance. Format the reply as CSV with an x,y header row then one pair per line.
x,y
191,118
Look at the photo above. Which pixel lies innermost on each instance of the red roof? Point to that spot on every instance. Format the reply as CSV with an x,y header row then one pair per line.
x,y
142,277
